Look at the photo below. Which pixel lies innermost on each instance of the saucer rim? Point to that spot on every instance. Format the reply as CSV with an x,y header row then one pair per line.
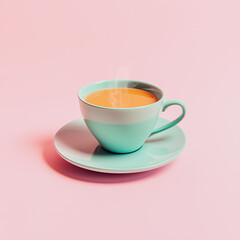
x,y
101,170
105,170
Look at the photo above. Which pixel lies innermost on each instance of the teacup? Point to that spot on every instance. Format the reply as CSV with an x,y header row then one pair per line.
x,y
124,130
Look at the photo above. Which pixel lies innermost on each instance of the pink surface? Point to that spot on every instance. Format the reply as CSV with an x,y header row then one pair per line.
x,y
50,49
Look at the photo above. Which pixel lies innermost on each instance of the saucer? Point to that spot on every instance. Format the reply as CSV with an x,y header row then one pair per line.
x,y
75,144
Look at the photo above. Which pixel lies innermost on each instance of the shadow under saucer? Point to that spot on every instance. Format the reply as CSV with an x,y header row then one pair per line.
x,y
58,164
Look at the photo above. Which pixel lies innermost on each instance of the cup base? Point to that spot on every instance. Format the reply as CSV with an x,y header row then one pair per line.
x,y
119,152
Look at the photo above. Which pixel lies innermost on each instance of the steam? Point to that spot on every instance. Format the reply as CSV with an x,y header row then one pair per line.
x,y
123,72
115,96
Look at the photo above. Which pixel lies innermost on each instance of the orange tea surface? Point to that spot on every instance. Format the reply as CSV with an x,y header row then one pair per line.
x,y
121,98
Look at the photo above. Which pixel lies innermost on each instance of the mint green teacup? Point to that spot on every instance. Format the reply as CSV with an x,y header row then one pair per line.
x,y
124,130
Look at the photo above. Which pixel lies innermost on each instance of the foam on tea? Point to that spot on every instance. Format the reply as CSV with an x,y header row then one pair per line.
x,y
121,98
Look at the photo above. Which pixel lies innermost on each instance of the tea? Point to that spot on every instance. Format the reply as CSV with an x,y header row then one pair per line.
x,y
121,98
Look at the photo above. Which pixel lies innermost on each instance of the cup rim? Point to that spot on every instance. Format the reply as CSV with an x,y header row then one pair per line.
x,y
130,80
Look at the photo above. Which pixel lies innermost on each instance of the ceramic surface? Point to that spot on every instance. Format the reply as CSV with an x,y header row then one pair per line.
x,y
75,144
124,130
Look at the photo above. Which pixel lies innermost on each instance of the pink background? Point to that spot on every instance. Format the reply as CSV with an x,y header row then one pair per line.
x,y
50,49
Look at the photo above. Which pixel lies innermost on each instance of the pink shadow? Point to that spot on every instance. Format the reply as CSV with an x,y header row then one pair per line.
x,y
58,164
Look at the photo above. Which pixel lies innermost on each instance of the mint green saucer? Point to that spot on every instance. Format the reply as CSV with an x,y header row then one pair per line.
x,y
76,145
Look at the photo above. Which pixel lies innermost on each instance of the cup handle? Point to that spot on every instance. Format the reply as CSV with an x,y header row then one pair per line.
x,y
174,122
